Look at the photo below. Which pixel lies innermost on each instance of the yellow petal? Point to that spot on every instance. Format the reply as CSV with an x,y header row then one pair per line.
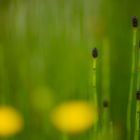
x,y
11,121
74,116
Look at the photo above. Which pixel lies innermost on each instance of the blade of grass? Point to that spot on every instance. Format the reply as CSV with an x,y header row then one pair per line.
x,y
94,80
131,84
137,119
105,84
137,126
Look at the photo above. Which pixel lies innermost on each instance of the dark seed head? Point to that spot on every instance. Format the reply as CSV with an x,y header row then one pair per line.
x,y
138,95
105,103
95,53
135,22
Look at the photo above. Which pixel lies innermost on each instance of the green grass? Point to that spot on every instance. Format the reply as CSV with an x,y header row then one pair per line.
x,y
133,71
137,119
49,43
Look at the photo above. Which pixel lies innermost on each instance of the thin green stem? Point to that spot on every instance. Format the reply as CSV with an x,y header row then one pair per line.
x,y
105,85
137,121
105,121
138,74
94,83
131,86
95,99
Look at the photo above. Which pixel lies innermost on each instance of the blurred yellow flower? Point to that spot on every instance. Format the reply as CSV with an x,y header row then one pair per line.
x,y
74,117
11,121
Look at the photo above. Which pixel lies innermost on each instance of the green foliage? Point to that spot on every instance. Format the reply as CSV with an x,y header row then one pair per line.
x,y
49,42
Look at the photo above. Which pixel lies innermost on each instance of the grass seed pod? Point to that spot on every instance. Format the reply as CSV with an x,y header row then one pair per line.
x,y
138,95
135,22
95,53
105,103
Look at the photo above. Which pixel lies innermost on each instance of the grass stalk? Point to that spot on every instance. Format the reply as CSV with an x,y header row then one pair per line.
x,y
94,82
106,86
105,121
133,66
137,119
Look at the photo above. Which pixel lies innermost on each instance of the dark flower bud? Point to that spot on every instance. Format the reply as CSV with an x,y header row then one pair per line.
x,y
105,103
135,22
95,53
138,95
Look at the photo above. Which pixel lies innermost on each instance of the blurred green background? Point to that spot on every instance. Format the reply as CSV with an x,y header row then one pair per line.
x,y
48,43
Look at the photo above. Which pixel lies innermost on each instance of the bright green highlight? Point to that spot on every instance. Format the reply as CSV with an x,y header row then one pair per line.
x,y
133,67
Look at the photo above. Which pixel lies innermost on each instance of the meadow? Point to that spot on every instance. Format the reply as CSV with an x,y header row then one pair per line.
x,y
69,70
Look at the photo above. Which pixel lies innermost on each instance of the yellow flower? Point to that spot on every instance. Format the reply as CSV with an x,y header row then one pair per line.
x,y
74,116
11,121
